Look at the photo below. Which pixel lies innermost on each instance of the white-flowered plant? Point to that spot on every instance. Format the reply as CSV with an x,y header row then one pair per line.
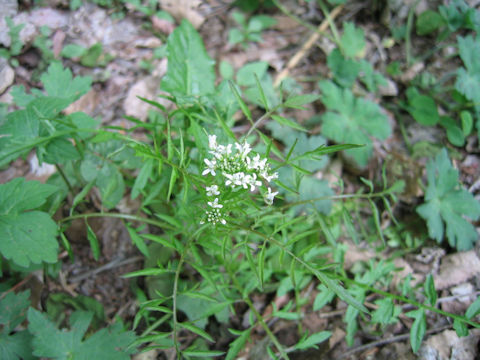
x,y
235,170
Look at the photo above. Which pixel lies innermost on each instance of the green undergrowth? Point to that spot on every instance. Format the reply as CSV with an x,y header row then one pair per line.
x,y
226,215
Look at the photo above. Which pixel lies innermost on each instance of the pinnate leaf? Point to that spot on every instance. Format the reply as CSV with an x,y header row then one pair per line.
x,y
446,204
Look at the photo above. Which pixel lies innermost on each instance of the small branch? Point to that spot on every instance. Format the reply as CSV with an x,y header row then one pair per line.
x,y
307,45
111,265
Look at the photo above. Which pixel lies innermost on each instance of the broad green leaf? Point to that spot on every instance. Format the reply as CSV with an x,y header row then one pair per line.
x,y
470,53
190,69
446,204
313,340
16,346
352,40
428,21
468,84
246,74
60,151
423,109
323,297
59,82
344,70
28,237
13,310
419,327
352,120
467,122
107,344
385,311
111,185
260,22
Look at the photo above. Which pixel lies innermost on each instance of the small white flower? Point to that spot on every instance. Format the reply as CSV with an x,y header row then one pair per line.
x,y
256,163
215,204
243,149
270,196
210,167
212,142
269,177
212,190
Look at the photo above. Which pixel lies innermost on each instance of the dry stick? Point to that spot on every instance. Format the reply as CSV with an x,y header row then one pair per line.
x,y
307,45
389,341
111,265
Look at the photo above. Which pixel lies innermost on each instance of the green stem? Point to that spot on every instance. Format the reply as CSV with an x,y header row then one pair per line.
x,y
259,317
119,216
64,177
332,25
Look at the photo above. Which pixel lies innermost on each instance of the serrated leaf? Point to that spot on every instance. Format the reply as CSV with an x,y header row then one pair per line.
x,y
28,237
190,70
352,40
237,345
446,203
469,50
323,297
384,313
468,84
352,120
344,70
59,82
107,344
13,309
313,340
60,151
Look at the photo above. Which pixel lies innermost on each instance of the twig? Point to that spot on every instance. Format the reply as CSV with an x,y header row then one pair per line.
x,y
389,341
307,45
111,265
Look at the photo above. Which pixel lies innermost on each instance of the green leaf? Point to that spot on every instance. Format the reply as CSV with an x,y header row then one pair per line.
x,y
92,239
196,330
423,109
323,297
202,353
260,22
298,100
419,326
72,51
246,74
470,53
467,122
344,70
111,185
284,121
107,344
190,69
474,309
430,291
60,151
138,241
352,40
352,120
59,82
142,178
313,340
428,21
28,237
468,84
238,344
460,328
446,204
454,133
13,310
385,311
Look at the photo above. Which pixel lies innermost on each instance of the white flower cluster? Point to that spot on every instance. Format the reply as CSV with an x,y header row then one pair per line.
x,y
239,171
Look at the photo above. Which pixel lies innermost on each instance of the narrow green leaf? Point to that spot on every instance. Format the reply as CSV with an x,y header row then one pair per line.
x,y
474,309
261,264
81,195
313,340
419,326
92,239
138,241
298,100
241,103
237,345
196,330
348,221
287,122
460,328
430,291
147,272
263,98
66,245
173,179
142,178
324,150
202,353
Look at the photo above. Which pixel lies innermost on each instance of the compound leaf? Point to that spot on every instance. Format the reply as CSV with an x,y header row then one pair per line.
x,y
59,82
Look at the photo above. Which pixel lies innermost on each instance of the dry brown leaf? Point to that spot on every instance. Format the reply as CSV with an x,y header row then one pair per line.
x,y
184,9
457,268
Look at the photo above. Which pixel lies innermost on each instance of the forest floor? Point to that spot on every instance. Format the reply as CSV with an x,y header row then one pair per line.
x,y
131,65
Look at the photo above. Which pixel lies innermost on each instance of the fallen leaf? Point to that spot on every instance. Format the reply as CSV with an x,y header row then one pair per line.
x,y
457,268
